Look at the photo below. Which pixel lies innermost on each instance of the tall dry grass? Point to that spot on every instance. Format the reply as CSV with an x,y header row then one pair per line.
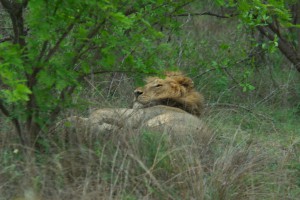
x,y
138,164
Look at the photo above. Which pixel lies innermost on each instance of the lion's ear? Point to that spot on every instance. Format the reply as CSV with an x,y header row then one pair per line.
x,y
184,81
151,79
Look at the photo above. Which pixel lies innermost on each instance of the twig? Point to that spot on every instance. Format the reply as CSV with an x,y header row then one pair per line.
x,y
64,35
225,68
115,71
5,39
239,107
63,95
209,70
231,76
87,42
206,13
14,121
45,44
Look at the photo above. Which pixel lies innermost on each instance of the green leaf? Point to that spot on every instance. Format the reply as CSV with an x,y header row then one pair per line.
x,y
220,2
247,87
46,78
224,46
21,92
120,19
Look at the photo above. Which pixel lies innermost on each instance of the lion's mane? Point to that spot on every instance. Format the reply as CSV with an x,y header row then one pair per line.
x,y
175,90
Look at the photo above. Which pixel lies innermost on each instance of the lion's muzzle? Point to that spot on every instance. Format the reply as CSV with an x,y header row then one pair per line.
x,y
137,92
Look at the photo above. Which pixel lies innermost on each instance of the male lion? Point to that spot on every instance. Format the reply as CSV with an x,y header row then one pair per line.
x,y
176,90
169,105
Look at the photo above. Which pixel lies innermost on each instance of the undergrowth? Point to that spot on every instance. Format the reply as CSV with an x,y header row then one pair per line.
x,y
241,161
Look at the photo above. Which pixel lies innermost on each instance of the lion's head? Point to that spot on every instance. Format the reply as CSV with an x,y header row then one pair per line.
x,y
174,90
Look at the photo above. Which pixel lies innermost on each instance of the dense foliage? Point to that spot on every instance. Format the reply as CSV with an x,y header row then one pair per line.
x,y
278,21
54,45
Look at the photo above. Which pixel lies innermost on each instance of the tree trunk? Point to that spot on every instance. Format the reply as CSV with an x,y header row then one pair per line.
x,y
296,13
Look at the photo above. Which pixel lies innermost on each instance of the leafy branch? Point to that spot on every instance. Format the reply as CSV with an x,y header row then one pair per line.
x,y
58,42
55,45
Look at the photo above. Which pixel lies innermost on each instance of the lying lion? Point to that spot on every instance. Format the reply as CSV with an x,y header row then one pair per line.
x,y
169,104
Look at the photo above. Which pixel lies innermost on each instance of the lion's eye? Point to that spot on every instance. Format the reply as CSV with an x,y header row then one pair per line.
x,y
158,85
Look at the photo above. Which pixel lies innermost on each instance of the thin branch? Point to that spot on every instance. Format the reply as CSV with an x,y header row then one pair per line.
x,y
43,51
14,121
206,13
3,28
116,71
231,76
79,55
182,5
66,92
4,110
64,35
210,70
5,39
225,68
91,34
240,107
19,131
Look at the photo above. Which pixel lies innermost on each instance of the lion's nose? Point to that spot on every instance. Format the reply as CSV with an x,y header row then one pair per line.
x,y
138,92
